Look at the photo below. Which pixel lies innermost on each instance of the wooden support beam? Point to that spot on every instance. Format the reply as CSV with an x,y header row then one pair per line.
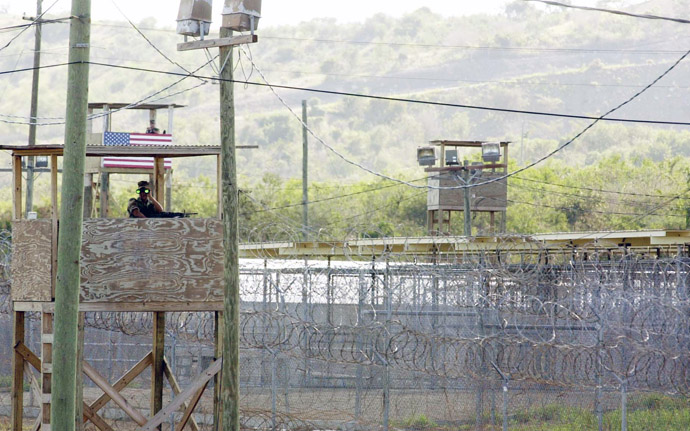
x,y
218,352
35,391
95,419
219,185
159,179
55,214
202,380
176,389
123,381
17,187
114,395
157,365
28,355
105,191
79,405
18,373
46,368
217,43
190,408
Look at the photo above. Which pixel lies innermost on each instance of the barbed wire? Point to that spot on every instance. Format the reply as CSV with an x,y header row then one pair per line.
x,y
573,319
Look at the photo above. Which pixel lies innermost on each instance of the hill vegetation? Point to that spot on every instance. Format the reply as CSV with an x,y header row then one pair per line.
x,y
530,58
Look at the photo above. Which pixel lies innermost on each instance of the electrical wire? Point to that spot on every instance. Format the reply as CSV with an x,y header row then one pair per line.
x,y
38,18
350,94
404,100
593,211
332,198
595,190
150,42
466,186
33,23
612,11
476,47
573,195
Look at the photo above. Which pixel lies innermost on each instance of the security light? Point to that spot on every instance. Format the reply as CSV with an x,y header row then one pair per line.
x,y
452,158
426,156
491,151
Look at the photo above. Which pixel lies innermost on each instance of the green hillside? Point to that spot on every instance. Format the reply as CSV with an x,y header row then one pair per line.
x,y
530,58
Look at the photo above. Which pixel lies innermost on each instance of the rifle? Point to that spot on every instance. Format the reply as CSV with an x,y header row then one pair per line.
x,y
168,214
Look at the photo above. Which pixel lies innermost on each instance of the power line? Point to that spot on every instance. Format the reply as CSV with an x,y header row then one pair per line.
x,y
476,47
38,18
467,186
612,11
35,22
427,46
514,82
150,42
595,190
405,100
374,97
332,197
577,196
562,208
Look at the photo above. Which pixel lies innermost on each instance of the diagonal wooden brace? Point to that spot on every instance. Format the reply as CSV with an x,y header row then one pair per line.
x,y
123,381
118,399
176,390
175,404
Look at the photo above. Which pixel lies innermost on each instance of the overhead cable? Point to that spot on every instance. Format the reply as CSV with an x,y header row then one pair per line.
x,y
615,12
405,100
466,186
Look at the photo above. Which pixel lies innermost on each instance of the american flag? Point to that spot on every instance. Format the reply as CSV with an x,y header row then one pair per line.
x,y
124,139
134,139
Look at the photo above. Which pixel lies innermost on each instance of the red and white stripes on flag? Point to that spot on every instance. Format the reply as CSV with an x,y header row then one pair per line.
x,y
134,139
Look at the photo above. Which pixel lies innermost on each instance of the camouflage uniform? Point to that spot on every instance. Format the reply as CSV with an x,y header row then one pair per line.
x,y
148,209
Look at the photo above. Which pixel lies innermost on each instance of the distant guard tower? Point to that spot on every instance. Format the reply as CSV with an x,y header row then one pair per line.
x,y
446,196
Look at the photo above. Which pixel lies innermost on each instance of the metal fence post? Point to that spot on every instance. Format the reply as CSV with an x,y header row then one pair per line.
x,y
305,319
274,389
360,368
386,369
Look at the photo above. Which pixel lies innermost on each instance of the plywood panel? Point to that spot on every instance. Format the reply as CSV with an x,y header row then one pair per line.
x,y
152,260
31,260
489,197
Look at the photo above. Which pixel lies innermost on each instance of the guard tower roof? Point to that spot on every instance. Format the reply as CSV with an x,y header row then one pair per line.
x,y
131,151
145,106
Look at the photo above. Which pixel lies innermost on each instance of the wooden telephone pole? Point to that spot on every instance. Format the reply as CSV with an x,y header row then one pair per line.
x,y
34,109
229,330
63,400
230,380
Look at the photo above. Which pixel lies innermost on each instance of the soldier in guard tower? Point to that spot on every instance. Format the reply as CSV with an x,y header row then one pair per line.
x,y
145,206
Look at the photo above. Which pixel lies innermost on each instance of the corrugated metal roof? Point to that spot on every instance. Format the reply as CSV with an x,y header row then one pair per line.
x,y
137,151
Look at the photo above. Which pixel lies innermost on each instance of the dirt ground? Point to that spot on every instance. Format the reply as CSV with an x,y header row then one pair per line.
x,y
329,408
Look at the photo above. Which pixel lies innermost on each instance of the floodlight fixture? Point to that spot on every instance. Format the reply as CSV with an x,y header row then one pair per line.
x,y
194,18
41,161
452,158
491,151
426,156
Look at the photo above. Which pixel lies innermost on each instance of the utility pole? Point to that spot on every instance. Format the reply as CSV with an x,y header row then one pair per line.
x,y
63,398
305,171
466,194
34,109
230,379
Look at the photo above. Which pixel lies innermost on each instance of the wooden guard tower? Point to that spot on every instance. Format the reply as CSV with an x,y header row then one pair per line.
x,y
491,197
103,167
127,265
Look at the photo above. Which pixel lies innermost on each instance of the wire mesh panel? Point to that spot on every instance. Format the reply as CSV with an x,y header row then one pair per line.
x,y
385,342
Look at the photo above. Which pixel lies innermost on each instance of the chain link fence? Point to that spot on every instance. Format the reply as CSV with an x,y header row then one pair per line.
x,y
469,342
